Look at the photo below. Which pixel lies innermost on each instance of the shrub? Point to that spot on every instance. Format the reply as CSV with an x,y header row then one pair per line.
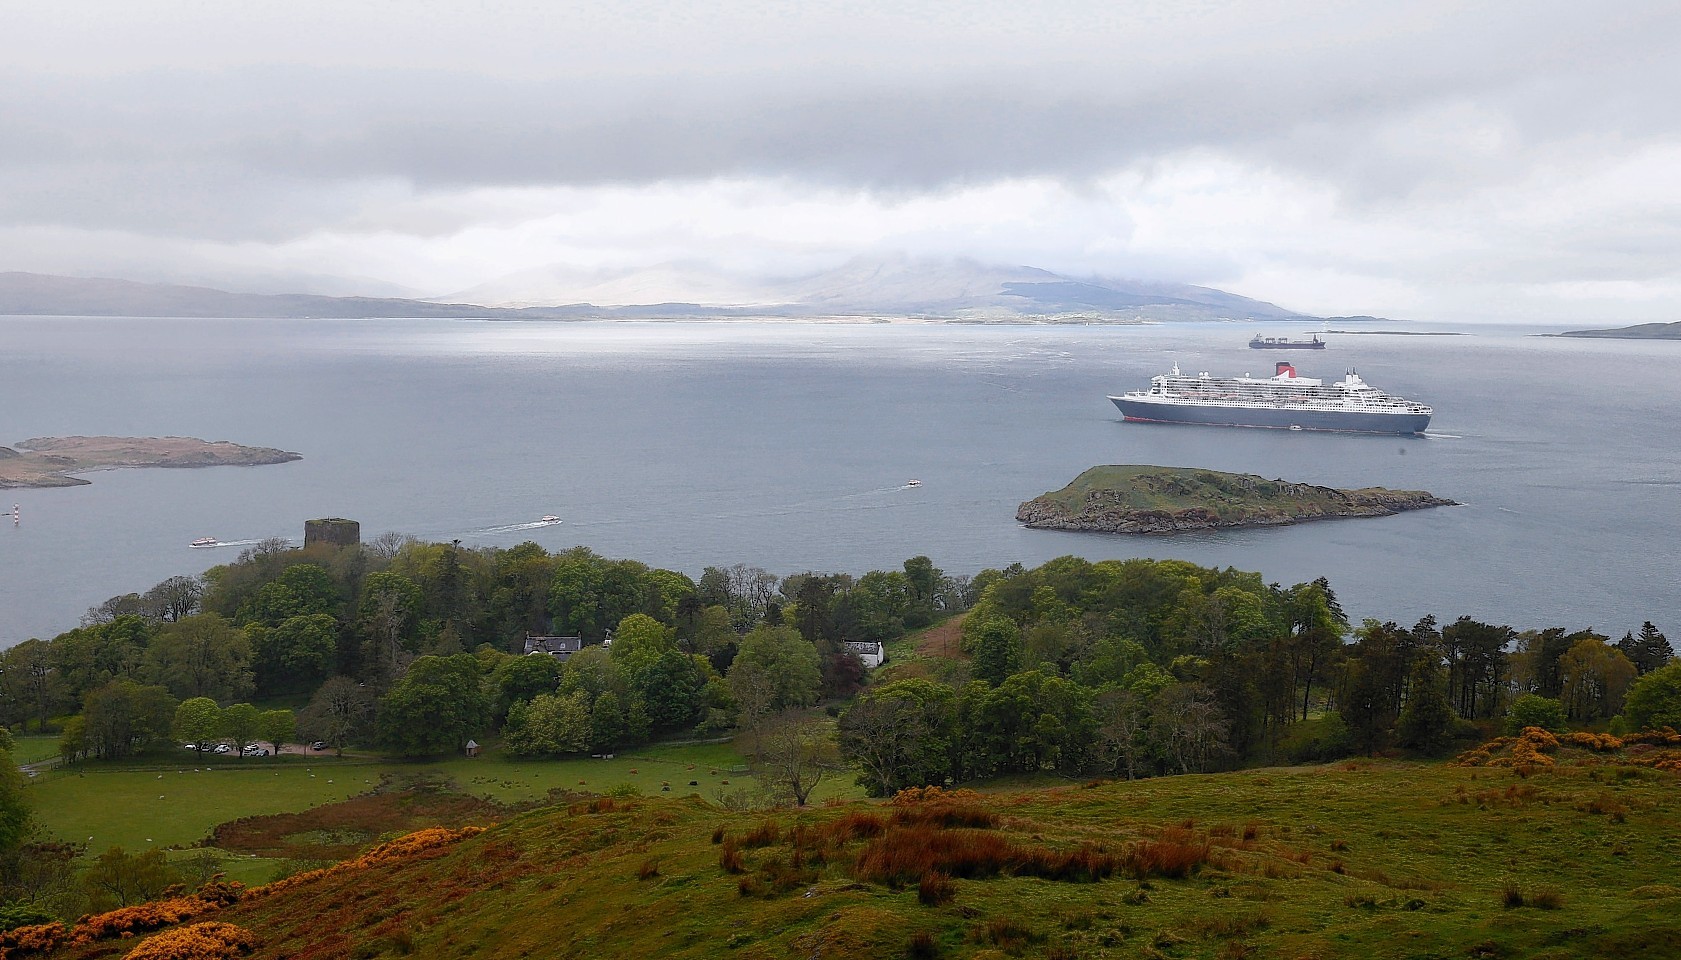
x,y
946,814
730,858
935,889
1546,898
1532,710
212,940
856,825
648,870
1006,933
763,835
1176,855
922,946
1511,897
38,938
904,854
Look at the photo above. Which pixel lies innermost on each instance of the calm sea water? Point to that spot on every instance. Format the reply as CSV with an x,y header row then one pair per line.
x,y
787,446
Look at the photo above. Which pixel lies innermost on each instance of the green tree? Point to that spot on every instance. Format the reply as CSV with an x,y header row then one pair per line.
x,y
242,723
669,687
200,656
1427,719
592,670
1649,650
124,717
30,681
389,615
14,808
435,708
198,721
1477,666
641,637
997,649
1654,700
522,678
92,656
549,725
278,727
302,590
1595,676
775,669
607,723
899,735
715,637
1534,710
294,655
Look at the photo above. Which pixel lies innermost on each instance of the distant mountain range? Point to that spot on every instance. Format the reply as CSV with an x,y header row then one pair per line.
x,y
962,290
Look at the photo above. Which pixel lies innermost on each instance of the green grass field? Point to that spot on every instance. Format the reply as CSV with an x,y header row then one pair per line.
x,y
35,748
164,800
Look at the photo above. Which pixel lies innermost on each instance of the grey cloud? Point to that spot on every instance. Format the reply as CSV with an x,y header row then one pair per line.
x,y
256,151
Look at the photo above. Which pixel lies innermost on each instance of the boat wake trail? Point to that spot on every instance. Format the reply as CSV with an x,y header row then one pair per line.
x,y
517,527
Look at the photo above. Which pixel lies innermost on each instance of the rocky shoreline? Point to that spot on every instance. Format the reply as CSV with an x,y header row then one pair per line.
x,y
1165,500
50,461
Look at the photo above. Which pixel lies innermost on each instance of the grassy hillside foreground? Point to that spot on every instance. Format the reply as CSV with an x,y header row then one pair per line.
x,y
1379,859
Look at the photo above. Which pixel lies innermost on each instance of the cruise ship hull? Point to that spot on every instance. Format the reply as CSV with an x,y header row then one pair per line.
x,y
1145,410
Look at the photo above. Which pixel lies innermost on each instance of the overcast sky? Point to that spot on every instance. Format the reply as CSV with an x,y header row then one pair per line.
x,y
1427,160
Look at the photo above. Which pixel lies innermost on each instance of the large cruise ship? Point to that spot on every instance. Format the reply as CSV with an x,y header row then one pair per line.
x,y
1285,401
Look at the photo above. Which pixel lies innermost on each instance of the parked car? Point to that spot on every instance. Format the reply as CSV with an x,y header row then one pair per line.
x,y
254,750
318,745
223,748
189,746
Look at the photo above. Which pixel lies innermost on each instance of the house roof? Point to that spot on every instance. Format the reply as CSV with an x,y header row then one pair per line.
x,y
553,645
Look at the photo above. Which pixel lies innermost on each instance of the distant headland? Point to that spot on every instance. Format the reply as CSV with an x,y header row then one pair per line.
x,y
50,461
1640,331
1135,498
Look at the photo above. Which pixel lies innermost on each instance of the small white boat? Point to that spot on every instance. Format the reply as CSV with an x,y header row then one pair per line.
x,y
549,518
913,483
205,542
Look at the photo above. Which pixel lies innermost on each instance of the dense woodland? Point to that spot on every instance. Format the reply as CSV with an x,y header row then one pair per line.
x,y
1119,668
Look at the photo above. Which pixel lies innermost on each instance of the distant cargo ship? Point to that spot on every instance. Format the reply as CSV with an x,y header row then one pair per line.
x,y
1284,402
1285,343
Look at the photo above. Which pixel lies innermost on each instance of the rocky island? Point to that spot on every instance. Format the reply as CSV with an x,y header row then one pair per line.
x,y
1134,498
50,461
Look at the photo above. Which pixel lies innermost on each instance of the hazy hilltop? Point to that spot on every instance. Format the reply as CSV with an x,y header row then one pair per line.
x,y
35,294
895,285
939,289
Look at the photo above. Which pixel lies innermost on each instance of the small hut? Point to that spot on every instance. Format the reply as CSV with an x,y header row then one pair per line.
x,y
472,748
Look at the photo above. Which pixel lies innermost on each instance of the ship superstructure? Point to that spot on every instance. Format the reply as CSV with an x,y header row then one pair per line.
x,y
1284,401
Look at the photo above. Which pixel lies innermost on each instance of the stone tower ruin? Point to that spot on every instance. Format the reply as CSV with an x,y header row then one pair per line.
x,y
335,531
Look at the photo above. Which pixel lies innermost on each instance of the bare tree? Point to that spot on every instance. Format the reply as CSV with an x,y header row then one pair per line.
x,y
1188,724
796,753
129,604
175,598
1123,730
387,545
338,713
